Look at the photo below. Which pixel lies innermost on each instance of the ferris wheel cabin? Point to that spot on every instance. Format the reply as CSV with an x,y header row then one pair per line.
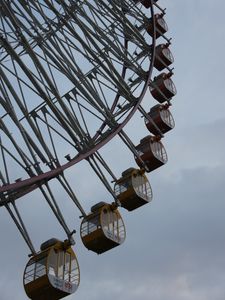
x,y
160,119
160,26
103,229
163,88
152,152
145,3
53,273
133,189
163,57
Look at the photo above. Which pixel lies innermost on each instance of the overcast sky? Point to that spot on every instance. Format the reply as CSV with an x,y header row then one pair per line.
x,y
175,246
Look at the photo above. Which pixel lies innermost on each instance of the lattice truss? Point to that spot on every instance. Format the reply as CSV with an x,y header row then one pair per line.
x,y
71,74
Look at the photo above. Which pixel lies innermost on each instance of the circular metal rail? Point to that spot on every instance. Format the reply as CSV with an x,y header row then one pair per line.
x,y
28,42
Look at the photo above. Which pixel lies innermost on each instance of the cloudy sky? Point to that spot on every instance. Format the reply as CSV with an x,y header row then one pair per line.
x,y
175,246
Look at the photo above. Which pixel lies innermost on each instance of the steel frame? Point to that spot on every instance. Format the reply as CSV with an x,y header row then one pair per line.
x,y
42,42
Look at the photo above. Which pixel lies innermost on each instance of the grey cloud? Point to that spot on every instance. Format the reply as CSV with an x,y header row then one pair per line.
x,y
175,245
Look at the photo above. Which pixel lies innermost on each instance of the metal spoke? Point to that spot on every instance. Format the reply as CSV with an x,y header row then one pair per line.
x,y
72,74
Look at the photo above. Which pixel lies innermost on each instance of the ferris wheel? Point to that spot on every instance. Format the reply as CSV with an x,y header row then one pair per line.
x,y
72,75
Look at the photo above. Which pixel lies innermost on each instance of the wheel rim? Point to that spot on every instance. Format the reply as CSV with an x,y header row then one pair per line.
x,y
39,165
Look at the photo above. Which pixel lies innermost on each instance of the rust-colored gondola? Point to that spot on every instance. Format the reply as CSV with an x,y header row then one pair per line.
x,y
160,119
53,273
133,189
161,26
163,57
162,88
152,152
145,3
103,229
